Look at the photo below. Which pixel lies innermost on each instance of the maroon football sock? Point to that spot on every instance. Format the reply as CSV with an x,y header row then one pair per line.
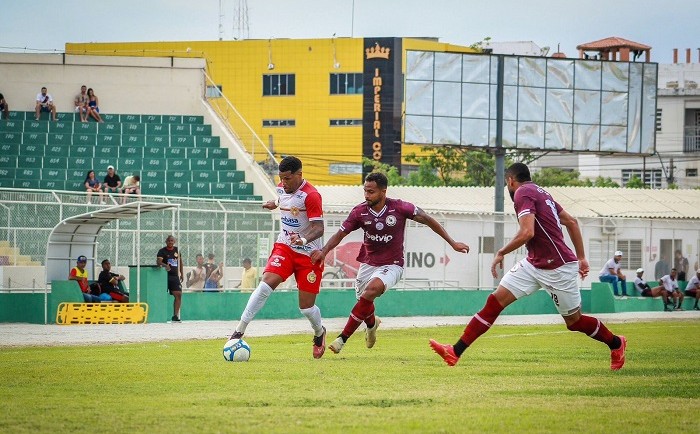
x,y
359,313
482,321
370,320
594,329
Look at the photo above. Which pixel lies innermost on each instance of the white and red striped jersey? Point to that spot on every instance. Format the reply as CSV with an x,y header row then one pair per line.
x,y
297,211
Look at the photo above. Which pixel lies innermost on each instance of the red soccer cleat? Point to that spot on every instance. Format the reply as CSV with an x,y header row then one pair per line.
x,y
445,351
617,357
320,345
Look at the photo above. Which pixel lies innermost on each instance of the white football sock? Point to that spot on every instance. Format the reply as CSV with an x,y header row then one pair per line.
x,y
313,314
256,301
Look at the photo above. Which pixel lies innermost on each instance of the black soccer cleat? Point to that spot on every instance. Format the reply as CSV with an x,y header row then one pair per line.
x,y
236,335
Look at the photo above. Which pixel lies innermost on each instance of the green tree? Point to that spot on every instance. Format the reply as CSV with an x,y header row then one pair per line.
x,y
391,172
556,177
605,182
635,182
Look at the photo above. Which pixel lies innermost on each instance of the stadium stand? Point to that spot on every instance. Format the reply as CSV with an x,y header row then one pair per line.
x,y
175,155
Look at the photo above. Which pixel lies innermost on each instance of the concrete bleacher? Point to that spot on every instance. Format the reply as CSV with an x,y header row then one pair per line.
x,y
175,155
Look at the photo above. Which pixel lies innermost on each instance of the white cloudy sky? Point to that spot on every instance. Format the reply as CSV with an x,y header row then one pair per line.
x,y
49,24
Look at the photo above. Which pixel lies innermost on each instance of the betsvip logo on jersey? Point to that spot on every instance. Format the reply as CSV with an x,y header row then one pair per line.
x,y
379,238
390,220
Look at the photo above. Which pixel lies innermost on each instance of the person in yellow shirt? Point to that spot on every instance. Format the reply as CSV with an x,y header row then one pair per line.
x,y
249,278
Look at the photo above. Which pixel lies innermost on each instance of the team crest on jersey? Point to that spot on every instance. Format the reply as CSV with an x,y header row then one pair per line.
x,y
311,277
390,220
379,226
294,210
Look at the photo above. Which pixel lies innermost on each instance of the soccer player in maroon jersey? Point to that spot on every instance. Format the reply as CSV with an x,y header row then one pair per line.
x,y
550,264
381,256
301,229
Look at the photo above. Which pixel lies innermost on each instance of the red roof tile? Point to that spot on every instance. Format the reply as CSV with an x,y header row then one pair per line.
x,y
612,42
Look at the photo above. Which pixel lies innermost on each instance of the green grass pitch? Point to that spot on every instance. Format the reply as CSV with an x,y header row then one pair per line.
x,y
514,379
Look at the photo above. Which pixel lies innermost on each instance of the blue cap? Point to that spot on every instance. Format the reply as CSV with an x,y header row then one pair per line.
x,y
82,258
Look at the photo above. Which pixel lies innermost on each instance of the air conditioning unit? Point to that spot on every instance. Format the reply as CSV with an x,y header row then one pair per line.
x,y
609,227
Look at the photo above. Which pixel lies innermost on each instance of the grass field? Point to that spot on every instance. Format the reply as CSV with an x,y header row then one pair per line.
x,y
514,379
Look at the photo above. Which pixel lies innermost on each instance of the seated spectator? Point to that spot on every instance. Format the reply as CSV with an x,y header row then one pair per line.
x,y
44,103
92,184
93,106
81,103
132,185
681,264
693,289
79,274
249,277
214,274
112,181
109,283
671,285
646,291
4,108
612,273
197,276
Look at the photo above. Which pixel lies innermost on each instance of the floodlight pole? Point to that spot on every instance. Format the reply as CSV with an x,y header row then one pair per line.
x,y
500,154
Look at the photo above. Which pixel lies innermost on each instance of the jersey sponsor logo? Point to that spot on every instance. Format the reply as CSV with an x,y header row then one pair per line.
x,y
289,221
380,238
390,220
368,223
379,226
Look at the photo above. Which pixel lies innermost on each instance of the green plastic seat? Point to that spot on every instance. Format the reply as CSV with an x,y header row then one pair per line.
x,y
153,151
231,176
130,119
55,150
109,118
157,188
8,173
157,129
177,188
82,163
196,152
177,164
201,130
59,139
172,119
34,138
85,140
154,164
175,152
201,164
180,130
76,173
200,188
61,116
32,150
55,174
28,173
84,128
12,126
179,175
221,189
204,176
131,152
217,153
109,139
52,185
154,176
226,164
182,141
7,137
36,127
193,119
55,162
133,140
100,165
207,141
110,128
9,149
81,151
8,161
61,127
27,183
111,152
243,188
152,119
131,128
73,185
130,165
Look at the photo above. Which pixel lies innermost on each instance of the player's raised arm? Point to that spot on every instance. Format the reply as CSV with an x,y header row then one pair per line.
x,y
422,217
319,255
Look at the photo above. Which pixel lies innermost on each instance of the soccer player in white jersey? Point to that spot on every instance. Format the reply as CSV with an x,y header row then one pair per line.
x,y
301,218
693,288
383,221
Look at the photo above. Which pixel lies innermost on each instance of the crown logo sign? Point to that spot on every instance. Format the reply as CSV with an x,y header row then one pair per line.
x,y
377,52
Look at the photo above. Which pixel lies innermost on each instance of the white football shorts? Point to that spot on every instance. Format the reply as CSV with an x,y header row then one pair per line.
x,y
389,274
561,284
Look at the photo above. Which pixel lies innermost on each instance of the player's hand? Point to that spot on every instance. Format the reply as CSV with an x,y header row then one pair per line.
x,y
296,240
497,261
316,256
182,278
460,247
583,268
270,204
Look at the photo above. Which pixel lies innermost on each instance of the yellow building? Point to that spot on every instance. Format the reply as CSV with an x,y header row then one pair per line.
x,y
328,101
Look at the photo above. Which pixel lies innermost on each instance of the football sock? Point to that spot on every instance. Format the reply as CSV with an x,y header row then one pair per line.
x,y
596,330
370,320
479,324
363,308
313,314
256,301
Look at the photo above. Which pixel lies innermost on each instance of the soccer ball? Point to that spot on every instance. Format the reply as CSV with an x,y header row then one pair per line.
x,y
236,350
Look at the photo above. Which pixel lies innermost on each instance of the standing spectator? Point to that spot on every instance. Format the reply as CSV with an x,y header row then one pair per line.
x,y
680,263
550,264
93,106
80,275
249,277
670,283
4,108
169,258
693,289
301,229
214,274
92,184
612,273
112,181
647,291
381,256
197,276
44,103
132,185
81,103
662,267
109,283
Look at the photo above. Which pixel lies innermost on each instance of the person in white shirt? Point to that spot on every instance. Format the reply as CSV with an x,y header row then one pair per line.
x,y
44,103
693,288
671,285
612,274
647,291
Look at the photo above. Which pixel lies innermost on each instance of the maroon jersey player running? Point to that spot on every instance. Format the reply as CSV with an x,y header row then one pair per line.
x,y
383,221
550,264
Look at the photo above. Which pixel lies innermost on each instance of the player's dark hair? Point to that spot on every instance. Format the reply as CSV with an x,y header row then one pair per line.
x,y
379,178
519,172
137,178
673,269
290,164
247,261
103,262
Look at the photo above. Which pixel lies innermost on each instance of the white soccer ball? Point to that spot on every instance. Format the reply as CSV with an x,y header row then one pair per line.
x,y
236,350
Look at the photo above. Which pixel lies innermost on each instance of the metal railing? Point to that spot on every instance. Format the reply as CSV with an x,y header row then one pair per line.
x,y
691,139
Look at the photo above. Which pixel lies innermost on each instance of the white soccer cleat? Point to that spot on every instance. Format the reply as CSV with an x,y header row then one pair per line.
x,y
371,333
336,345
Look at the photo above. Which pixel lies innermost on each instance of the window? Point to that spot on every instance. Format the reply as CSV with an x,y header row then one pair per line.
x,y
691,173
658,119
278,84
600,251
342,84
486,245
652,178
632,249
214,91
345,122
278,123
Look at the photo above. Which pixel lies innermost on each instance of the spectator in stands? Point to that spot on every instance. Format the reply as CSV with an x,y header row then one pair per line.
x,y
132,185
169,258
92,184
681,264
662,267
44,103
249,277
109,283
80,275
214,274
693,289
81,103
4,108
612,273
93,106
112,181
647,291
671,285
197,276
